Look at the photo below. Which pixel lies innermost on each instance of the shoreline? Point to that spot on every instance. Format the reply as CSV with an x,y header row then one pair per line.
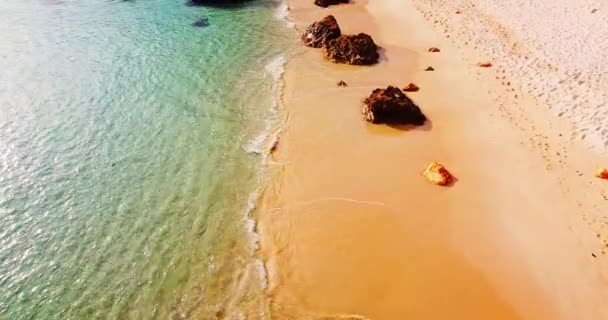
x,y
350,230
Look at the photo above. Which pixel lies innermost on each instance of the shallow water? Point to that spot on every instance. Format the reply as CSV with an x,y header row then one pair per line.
x,y
127,174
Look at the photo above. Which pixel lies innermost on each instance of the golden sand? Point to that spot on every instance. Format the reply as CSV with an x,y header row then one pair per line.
x,y
352,230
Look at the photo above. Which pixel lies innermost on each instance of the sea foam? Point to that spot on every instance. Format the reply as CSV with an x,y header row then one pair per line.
x,y
276,68
260,144
282,13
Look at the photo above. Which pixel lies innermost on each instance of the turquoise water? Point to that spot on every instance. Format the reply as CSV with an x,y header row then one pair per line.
x,y
128,164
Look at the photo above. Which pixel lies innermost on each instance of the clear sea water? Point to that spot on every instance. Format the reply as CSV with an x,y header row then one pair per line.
x,y
131,155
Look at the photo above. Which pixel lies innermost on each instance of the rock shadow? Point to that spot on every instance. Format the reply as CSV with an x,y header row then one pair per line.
x,y
427,126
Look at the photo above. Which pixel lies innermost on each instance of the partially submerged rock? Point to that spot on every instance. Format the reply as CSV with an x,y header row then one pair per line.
x,y
601,173
411,87
341,83
392,106
319,33
438,174
357,49
327,3
201,23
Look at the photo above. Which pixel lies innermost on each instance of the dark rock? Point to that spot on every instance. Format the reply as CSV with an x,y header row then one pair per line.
x,y
201,23
275,146
433,49
319,33
392,106
411,87
429,68
327,3
357,49
341,83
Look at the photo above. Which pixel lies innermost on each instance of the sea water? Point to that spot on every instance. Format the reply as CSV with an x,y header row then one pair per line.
x,y
132,154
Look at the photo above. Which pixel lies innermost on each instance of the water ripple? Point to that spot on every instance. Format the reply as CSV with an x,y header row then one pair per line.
x,y
123,180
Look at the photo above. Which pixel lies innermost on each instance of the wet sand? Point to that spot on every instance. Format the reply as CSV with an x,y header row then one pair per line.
x,y
351,230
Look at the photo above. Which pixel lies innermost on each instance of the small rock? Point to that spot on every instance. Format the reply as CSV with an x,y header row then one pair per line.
x,y
219,314
327,3
438,174
411,87
484,64
601,173
433,49
429,68
275,146
392,106
593,255
341,83
594,11
357,49
458,12
201,23
319,33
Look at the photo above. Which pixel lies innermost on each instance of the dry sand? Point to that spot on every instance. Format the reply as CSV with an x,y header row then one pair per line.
x,y
350,229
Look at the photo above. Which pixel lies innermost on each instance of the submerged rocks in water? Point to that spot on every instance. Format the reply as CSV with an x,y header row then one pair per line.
x,y
217,3
392,106
327,3
319,33
357,49
201,23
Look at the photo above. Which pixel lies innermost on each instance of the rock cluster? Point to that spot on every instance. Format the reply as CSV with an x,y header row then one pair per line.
x,y
358,49
390,105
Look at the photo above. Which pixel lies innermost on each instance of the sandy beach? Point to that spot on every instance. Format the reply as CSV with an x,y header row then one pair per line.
x,y
350,228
